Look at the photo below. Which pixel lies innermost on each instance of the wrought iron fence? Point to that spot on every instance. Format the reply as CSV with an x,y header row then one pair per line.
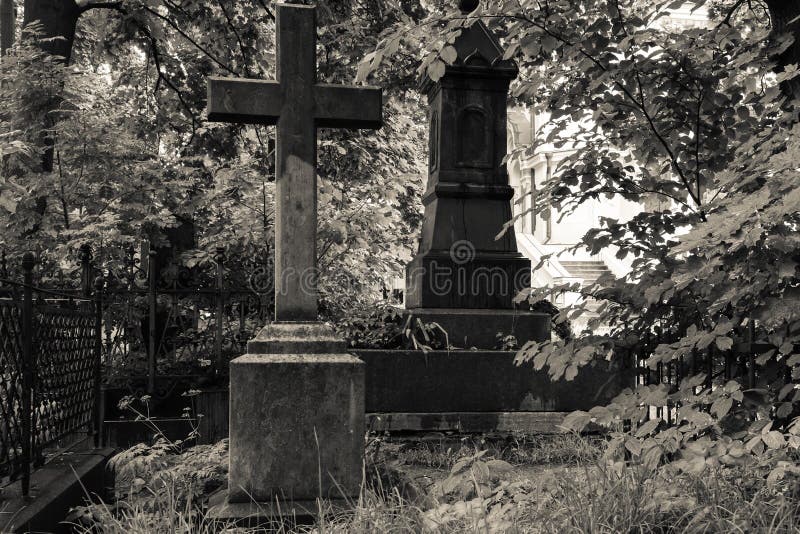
x,y
50,354
740,363
166,324
161,326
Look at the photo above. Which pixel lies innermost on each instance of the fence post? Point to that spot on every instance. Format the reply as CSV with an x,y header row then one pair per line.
x,y
710,367
751,360
219,257
28,363
99,397
151,327
85,256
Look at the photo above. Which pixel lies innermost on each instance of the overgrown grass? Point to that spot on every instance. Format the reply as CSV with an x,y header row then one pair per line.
x,y
588,495
442,451
633,499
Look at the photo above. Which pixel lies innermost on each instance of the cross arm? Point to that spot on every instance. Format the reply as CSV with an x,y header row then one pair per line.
x,y
244,100
341,106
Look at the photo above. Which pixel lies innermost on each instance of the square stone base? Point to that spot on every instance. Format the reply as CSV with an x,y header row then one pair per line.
x,y
296,427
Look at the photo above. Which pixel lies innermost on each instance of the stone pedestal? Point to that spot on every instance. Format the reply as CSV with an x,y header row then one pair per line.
x,y
464,277
439,279
296,422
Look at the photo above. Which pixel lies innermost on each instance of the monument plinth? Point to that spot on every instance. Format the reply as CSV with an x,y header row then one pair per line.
x,y
296,399
297,418
463,277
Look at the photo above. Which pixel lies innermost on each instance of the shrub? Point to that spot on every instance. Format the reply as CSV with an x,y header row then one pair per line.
x,y
375,327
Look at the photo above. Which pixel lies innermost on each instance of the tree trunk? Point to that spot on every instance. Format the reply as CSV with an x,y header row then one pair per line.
x,y
58,18
785,19
6,25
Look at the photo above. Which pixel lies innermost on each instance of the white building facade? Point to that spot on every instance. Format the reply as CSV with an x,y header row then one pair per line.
x,y
553,233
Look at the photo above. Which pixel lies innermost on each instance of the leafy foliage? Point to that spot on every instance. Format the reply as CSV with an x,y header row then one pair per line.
x,y
134,157
378,327
691,124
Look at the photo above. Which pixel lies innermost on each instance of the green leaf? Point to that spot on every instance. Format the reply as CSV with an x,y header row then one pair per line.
x,y
647,428
721,407
571,372
436,70
784,410
449,54
773,439
498,467
633,445
724,343
785,390
576,421
549,43
652,457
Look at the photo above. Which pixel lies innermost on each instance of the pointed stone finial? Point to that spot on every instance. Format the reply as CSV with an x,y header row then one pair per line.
x,y
468,6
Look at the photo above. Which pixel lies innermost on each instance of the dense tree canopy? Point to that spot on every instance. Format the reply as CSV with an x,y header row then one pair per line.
x,y
105,142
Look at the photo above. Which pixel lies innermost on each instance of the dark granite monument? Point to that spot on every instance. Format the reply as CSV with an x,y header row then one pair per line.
x,y
296,399
462,277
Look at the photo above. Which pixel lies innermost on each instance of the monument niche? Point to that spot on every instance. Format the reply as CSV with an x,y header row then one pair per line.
x,y
462,277
296,398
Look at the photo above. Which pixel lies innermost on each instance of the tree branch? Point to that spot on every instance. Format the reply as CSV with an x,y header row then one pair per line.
x,y
236,33
100,5
269,13
192,41
727,20
697,145
626,92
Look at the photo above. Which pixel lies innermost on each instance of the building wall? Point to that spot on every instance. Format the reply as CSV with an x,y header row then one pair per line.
x,y
556,232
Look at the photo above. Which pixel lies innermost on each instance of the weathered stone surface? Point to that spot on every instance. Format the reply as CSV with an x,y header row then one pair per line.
x,y
296,427
298,105
59,486
481,381
488,281
442,389
468,200
270,516
296,338
296,401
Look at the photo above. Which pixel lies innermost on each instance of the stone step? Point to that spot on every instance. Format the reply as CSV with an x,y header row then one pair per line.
x,y
575,272
585,264
590,271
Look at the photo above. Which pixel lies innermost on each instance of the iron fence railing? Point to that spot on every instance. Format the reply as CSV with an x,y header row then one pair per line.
x,y
168,322
739,363
165,323
50,351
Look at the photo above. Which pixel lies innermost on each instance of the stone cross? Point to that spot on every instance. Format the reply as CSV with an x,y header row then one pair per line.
x,y
298,105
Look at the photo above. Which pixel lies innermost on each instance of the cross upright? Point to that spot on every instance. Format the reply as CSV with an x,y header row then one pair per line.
x,y
298,105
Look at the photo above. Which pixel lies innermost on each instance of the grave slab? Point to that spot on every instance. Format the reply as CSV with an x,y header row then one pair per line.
x,y
471,381
57,487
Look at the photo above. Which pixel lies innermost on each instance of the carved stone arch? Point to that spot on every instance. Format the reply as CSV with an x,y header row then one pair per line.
x,y
474,134
476,59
